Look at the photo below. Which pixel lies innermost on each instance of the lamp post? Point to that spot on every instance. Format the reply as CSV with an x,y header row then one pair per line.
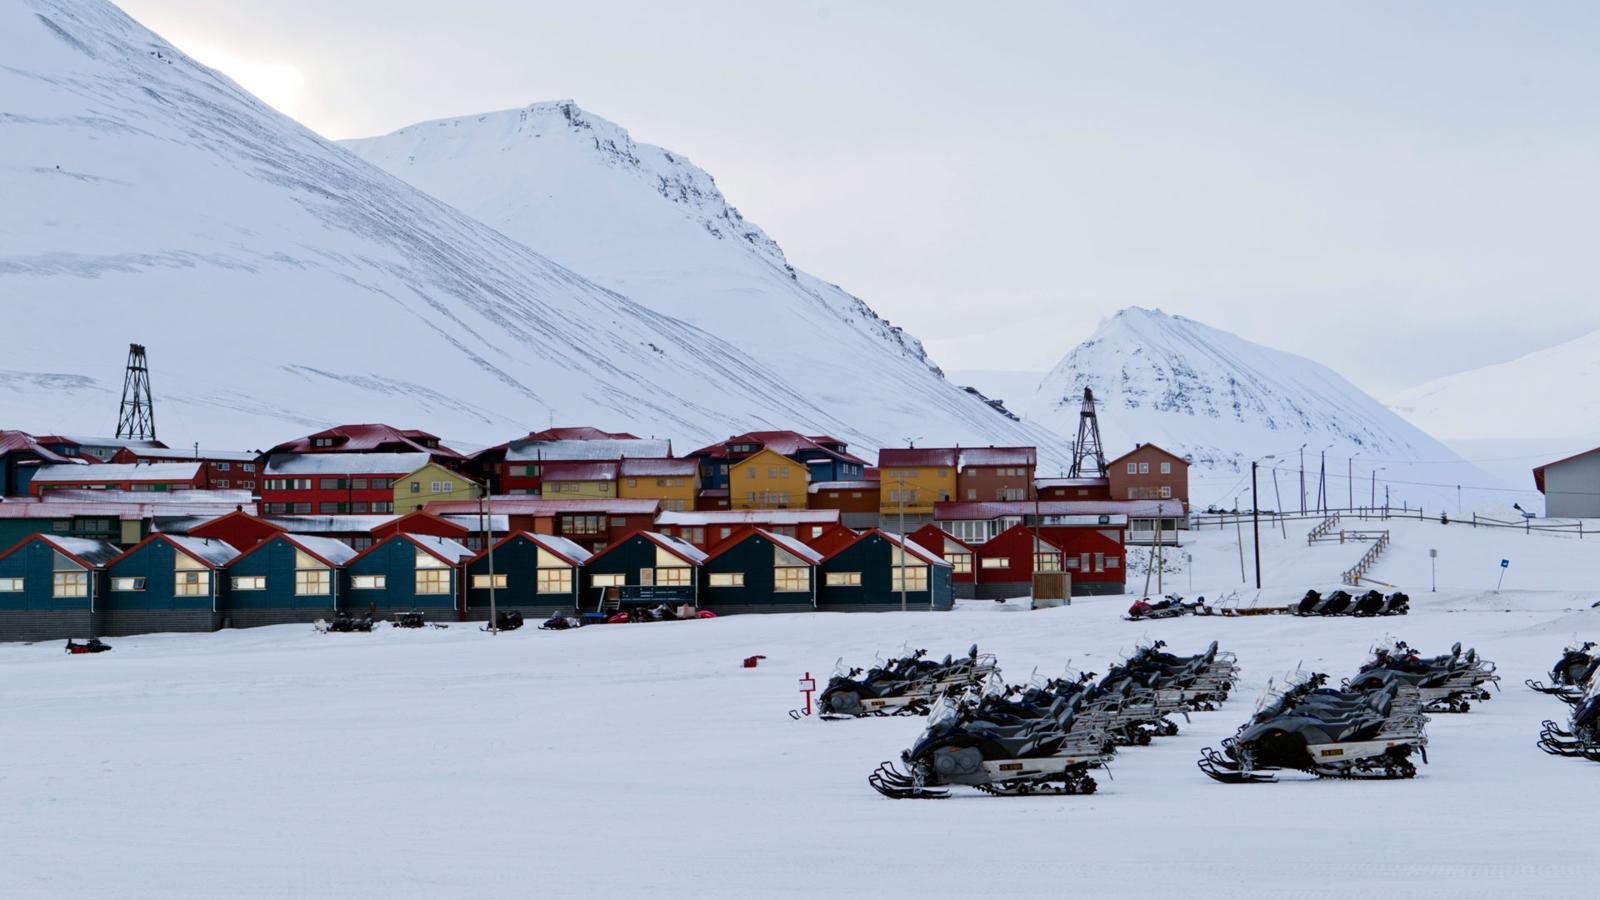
x,y
901,483
486,520
1350,480
1373,502
1302,479
1255,516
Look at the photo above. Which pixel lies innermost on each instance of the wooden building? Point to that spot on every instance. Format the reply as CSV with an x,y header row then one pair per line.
x,y
759,571
535,574
593,524
51,587
407,572
415,490
221,470
334,484
959,554
645,567
821,457
707,529
869,573
155,477
674,482
167,582
286,578
1007,562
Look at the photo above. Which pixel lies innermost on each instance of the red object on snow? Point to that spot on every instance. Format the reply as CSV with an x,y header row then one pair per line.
x,y
751,661
618,619
707,614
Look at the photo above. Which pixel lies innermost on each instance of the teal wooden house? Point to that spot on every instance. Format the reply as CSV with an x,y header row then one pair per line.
x,y
407,572
644,568
869,572
535,574
167,582
759,571
286,578
50,587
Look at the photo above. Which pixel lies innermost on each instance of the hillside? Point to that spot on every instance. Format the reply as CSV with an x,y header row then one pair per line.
x,y
280,283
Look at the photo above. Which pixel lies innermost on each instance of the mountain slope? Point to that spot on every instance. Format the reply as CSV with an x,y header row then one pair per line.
x,y
281,283
1201,392
1543,395
645,222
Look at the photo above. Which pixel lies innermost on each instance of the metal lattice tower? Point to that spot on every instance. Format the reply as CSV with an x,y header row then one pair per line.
x,y
138,417
1088,446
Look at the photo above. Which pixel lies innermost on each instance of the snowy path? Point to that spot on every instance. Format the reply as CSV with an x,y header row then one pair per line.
x,y
641,760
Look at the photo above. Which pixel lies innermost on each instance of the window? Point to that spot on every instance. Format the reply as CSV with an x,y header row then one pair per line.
x,y
61,525
1113,562
727,579
192,584
312,582
382,484
910,578
416,487
1166,492
1166,468
1144,468
361,506
300,509
358,484
369,582
696,536
331,484
330,509
674,576
996,562
555,581
816,531
273,509
783,471
961,563
1047,562
222,483
482,582
240,583
791,579
383,506
1016,494
433,581
634,482
248,467
750,472
10,585
223,467
127,584
972,493
1133,468
844,579
322,442
606,580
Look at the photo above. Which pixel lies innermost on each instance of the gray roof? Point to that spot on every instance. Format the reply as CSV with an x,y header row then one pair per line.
x,y
357,524
578,451
95,553
345,463
208,550
118,472
560,545
334,551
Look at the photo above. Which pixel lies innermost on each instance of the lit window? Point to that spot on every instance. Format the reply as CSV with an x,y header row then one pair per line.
x,y
555,581
481,582
1047,562
606,580
996,562
675,576
912,578
10,585
844,579
727,579
312,582
191,584
790,579
433,581
370,582
240,583
961,562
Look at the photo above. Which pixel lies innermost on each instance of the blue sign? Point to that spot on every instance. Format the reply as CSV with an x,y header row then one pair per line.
x,y
1505,563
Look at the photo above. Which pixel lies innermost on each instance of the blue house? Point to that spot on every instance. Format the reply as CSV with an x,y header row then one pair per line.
x,y
167,582
420,572
49,587
868,573
286,578
535,574
759,571
644,568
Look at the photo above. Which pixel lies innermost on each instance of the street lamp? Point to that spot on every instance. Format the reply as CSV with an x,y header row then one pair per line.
x,y
1255,516
1350,480
1373,501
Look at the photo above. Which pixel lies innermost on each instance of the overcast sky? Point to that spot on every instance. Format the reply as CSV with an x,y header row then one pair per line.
x,y
1399,191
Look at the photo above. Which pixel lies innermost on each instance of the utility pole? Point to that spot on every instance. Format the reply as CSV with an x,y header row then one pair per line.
x,y
1350,481
1255,522
1322,483
902,492
1302,479
486,520
1279,500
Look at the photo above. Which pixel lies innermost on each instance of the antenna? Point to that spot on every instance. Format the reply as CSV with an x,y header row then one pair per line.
x,y
138,417
1088,444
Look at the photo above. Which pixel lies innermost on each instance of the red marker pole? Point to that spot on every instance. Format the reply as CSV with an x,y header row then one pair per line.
x,y
807,685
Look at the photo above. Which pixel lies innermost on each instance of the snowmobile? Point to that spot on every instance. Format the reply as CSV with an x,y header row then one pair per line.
x,y
506,620
997,753
902,687
1446,683
1582,736
344,622
92,645
1313,603
1330,734
410,619
559,622
1168,607
1375,603
1571,673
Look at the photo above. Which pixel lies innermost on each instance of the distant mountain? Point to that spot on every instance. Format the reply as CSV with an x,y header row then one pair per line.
x,y
645,222
1545,395
282,284
1222,401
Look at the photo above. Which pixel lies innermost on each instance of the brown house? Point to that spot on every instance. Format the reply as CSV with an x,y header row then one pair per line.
x,y
996,473
1073,488
1148,472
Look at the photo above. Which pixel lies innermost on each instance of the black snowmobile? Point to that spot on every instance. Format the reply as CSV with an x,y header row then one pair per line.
x,y
92,645
901,687
1582,735
344,622
1571,673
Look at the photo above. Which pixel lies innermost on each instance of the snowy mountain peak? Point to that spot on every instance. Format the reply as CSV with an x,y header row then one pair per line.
x,y
1205,393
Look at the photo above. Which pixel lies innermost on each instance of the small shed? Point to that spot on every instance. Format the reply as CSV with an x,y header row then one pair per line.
x,y
167,582
286,578
535,574
644,568
407,572
49,587
868,574
961,556
760,571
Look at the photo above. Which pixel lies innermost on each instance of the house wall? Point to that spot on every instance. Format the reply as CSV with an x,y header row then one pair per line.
x,y
396,560
995,483
215,474
579,490
766,480
278,603
755,558
333,494
34,563
1075,492
518,561
924,486
851,500
1572,488
676,492
627,559
1147,479
1103,548
871,557
156,608
414,491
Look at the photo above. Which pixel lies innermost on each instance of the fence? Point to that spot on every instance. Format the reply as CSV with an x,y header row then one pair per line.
x,y
1269,519
1380,542
1323,528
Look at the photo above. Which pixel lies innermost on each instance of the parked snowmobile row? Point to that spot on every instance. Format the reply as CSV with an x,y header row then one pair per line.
x,y
1341,603
1046,737
1169,607
1365,732
1446,683
1573,681
907,686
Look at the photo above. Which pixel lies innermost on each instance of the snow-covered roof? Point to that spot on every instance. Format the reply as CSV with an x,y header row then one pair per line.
x,y
132,443
560,545
577,451
523,505
498,523
580,471
450,551
1071,482
369,437
783,443
14,441
48,507
92,553
956,457
793,546
678,467
187,498
211,551
682,548
345,463
336,552
843,486
179,454
958,510
711,517
359,524
998,456
107,472
915,549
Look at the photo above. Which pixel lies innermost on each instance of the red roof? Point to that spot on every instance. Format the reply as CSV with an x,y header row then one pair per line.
x,y
911,547
368,438
580,471
579,433
522,505
1139,448
1538,473
918,457
21,441
783,443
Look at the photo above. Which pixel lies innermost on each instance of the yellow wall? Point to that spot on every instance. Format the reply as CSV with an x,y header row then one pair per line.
x,y
677,492
924,486
461,488
777,482
578,490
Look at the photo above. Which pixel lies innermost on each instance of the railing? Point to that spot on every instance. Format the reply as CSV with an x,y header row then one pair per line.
x,y
1352,575
1269,519
1322,529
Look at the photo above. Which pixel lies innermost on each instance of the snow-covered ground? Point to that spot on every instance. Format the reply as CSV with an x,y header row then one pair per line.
x,y
642,760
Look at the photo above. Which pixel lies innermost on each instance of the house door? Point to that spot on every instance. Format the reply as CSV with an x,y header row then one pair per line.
x,y
647,577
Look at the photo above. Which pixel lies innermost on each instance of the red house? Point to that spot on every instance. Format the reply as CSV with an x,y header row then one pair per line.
x,y
112,477
1007,562
591,524
325,483
488,464
524,460
372,438
237,529
222,470
1073,488
708,528
959,554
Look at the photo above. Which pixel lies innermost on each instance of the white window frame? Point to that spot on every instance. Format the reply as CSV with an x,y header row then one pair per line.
x,y
11,585
240,583
369,582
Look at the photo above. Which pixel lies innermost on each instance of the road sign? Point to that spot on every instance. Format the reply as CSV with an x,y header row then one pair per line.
x,y
1434,554
1505,563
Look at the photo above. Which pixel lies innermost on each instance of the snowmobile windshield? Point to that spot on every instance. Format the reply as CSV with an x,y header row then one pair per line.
x,y
1592,691
943,712
1388,645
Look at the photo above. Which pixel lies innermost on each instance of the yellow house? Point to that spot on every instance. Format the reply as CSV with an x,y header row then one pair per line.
x,y
431,482
917,478
675,482
580,480
765,480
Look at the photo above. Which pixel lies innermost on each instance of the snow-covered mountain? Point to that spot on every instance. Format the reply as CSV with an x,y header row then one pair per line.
x,y
645,222
1222,400
1545,395
281,283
